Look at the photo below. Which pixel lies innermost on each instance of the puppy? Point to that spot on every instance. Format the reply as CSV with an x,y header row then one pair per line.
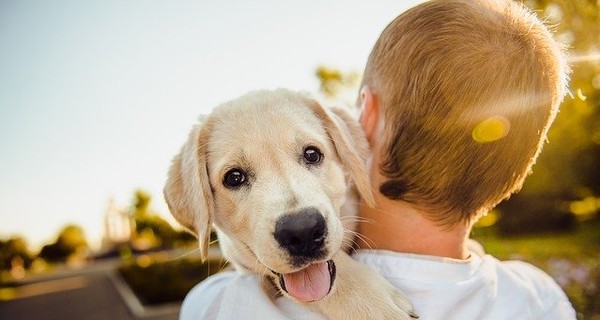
x,y
278,177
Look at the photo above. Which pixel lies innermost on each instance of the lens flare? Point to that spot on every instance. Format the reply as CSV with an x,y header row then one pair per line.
x,y
580,95
592,57
491,129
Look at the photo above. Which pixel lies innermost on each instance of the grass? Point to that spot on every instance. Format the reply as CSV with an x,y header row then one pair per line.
x,y
572,259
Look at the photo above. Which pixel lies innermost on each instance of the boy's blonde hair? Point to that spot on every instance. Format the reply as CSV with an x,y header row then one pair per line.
x,y
468,90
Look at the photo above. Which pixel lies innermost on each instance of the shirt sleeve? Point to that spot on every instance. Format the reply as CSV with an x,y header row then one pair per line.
x,y
550,296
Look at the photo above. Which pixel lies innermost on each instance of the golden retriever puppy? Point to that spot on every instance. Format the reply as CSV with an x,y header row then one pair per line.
x,y
278,177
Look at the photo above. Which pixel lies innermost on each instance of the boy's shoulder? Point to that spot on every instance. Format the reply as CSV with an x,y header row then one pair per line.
x,y
523,286
481,287
533,283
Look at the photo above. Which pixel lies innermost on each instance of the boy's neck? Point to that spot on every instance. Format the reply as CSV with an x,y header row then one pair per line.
x,y
398,226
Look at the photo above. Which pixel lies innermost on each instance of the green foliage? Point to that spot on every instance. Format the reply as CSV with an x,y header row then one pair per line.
x,y
150,229
71,240
535,214
157,282
54,253
141,203
334,83
12,250
72,237
153,226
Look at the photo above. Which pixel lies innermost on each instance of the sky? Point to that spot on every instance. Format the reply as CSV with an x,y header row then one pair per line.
x,y
96,97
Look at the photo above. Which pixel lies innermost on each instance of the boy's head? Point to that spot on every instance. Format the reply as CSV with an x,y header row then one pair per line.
x,y
467,90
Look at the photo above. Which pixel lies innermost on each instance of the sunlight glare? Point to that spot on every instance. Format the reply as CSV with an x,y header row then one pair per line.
x,y
491,129
580,95
592,57
587,206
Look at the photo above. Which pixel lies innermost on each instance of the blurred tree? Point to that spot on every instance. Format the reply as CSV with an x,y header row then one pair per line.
x,y
338,85
150,229
14,248
70,241
333,81
141,203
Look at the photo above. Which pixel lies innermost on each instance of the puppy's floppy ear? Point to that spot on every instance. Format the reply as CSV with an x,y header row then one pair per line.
x,y
187,190
351,145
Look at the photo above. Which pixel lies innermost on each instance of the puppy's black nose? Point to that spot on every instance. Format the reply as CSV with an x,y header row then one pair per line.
x,y
302,233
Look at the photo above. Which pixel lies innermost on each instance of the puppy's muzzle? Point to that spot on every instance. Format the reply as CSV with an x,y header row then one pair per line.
x,y
302,234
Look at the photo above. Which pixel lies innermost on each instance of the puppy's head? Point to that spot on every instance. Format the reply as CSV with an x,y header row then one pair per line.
x,y
272,171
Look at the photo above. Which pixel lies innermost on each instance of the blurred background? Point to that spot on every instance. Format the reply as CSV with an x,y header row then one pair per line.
x,y
96,97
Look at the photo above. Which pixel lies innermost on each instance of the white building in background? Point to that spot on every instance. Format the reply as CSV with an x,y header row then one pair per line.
x,y
117,226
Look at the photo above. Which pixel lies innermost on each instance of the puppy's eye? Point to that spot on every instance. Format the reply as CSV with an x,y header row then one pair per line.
x,y
312,155
234,178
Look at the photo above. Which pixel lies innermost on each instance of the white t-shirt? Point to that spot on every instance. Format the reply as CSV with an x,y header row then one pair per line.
x,y
480,287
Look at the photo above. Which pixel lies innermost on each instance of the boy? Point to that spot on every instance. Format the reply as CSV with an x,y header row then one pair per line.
x,y
456,101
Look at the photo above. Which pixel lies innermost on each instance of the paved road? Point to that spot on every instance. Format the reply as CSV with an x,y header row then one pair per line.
x,y
86,295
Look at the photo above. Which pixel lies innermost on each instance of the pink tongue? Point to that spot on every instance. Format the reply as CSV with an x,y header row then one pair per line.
x,y
309,284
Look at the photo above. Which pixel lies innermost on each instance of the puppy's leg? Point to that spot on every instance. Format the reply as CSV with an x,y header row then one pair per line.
x,y
361,293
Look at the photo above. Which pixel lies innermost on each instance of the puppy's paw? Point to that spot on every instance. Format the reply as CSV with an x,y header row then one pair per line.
x,y
394,304
361,293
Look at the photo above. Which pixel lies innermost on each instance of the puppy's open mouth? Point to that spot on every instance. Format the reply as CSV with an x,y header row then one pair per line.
x,y
311,283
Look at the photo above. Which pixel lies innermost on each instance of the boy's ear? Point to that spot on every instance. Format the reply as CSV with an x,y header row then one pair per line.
x,y
369,115
187,190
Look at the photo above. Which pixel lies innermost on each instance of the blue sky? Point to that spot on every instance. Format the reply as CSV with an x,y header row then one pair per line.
x,y
96,97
